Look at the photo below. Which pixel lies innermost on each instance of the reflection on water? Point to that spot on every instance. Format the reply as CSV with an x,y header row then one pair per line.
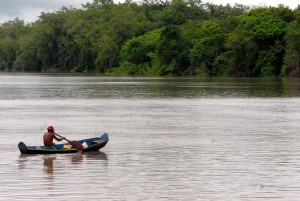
x,y
49,159
48,166
63,87
95,155
170,139
77,158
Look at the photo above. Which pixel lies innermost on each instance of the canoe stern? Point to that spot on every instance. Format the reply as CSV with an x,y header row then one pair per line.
x,y
22,147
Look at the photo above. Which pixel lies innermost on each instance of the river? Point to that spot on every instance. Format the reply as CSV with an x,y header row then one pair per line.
x,y
208,139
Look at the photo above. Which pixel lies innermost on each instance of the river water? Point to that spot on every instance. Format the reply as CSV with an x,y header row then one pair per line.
x,y
170,138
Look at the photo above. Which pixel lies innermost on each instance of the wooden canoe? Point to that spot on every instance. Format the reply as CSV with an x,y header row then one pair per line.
x,y
92,144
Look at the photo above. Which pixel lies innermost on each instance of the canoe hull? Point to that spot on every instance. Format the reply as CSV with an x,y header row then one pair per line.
x,y
93,144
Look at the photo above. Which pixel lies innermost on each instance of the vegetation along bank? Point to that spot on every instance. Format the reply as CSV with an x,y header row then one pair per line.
x,y
156,38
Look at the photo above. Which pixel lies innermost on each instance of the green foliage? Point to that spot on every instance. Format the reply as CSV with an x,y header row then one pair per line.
x,y
107,54
156,37
220,11
256,46
270,62
27,55
176,13
137,50
292,57
10,32
207,47
97,4
171,51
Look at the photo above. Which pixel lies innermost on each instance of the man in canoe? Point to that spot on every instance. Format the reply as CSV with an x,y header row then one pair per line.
x,y
48,138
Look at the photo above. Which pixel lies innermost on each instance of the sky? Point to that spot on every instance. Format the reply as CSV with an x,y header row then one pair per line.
x,y
29,10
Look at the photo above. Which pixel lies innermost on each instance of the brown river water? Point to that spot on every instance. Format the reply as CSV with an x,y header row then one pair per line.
x,y
170,138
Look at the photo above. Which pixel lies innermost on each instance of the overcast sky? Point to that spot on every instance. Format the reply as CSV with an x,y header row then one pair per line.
x,y
29,10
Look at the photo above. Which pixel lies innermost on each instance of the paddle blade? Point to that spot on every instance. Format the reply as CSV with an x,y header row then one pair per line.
x,y
76,145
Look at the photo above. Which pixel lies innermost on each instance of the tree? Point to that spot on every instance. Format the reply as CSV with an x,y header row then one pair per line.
x,y
220,11
291,65
27,55
171,48
107,55
207,47
138,54
256,47
9,34
241,55
96,4
48,31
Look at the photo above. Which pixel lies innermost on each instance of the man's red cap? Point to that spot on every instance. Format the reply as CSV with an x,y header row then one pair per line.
x,y
50,128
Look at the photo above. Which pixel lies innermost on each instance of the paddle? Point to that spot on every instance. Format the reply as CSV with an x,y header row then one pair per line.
x,y
74,143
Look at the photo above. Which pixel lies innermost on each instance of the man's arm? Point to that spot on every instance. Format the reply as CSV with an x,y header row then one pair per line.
x,y
58,138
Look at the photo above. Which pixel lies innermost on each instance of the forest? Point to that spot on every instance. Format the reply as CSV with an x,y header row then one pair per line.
x,y
156,38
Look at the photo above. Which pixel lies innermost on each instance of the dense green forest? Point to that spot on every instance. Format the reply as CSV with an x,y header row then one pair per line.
x,y
156,38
